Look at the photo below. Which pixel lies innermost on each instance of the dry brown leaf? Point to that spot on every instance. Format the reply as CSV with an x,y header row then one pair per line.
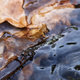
x,y
37,32
12,11
52,15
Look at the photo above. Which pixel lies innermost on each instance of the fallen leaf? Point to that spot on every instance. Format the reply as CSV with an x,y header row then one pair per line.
x,y
51,14
12,11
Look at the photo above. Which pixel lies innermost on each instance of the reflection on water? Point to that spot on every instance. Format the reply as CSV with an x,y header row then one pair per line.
x,y
61,62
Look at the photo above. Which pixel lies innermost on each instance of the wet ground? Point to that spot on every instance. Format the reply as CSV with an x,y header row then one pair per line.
x,y
58,60
55,59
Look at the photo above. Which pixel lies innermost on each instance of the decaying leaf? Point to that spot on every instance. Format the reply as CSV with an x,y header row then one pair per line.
x,y
11,48
12,11
38,32
51,14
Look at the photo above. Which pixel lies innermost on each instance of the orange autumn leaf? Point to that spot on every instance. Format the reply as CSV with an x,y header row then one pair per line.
x,y
12,11
51,15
